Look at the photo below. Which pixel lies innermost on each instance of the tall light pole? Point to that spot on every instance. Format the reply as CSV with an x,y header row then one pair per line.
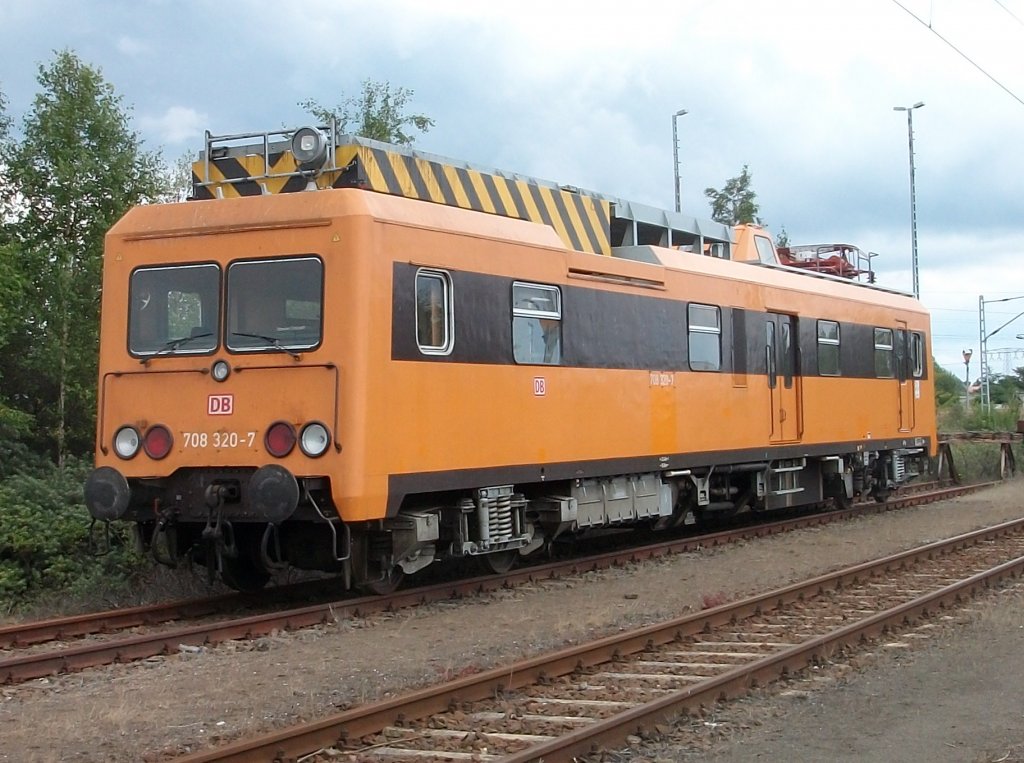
x,y
967,377
913,199
675,152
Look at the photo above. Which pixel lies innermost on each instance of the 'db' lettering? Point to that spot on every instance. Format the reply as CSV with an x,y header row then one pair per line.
x,y
220,405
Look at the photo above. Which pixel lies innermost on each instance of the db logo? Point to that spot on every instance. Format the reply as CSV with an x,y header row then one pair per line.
x,y
540,386
220,405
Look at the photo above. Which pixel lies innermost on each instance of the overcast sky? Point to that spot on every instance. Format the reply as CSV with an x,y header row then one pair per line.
x,y
583,93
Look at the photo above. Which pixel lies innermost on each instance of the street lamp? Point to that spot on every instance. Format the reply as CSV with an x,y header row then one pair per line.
x,y
913,199
675,151
967,377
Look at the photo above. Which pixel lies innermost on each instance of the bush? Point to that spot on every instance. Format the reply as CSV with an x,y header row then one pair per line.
x,y
979,461
956,418
44,538
16,459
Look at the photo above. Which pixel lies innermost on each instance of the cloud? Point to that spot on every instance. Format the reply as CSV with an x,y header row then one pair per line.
x,y
176,125
132,46
582,92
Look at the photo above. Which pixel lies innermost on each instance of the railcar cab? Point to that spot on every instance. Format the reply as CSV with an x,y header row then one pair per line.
x,y
198,464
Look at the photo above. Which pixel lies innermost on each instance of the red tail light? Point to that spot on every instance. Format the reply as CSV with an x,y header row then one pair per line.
x,y
157,442
280,439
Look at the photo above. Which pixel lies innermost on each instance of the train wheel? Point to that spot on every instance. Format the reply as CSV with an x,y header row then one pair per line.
x,y
499,562
836,490
386,585
243,574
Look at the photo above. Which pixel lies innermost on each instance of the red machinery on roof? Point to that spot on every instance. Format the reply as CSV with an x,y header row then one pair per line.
x,y
844,260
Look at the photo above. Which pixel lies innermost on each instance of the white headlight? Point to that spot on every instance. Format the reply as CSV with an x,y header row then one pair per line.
x,y
126,442
314,439
220,371
309,148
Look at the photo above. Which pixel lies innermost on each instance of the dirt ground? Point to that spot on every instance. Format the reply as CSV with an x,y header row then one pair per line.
x,y
956,696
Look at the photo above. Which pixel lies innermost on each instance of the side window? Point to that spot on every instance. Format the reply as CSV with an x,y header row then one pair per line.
x,y
902,361
705,337
884,365
739,341
787,357
917,355
828,348
765,250
536,324
434,314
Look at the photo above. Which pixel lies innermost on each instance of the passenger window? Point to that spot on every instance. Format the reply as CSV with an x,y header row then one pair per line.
x,y
917,355
536,324
828,348
434,315
884,366
705,337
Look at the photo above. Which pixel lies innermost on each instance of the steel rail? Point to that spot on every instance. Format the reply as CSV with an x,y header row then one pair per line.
x,y
86,624
73,626
25,667
362,721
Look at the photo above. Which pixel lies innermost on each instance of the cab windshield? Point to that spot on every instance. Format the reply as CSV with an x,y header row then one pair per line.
x,y
274,304
174,310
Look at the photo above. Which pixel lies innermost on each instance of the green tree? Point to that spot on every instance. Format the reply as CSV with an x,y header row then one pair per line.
x,y
177,179
1018,378
378,112
783,238
14,423
736,203
949,389
1006,390
77,168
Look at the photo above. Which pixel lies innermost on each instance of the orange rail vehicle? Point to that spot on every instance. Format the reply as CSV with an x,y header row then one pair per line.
x,y
347,356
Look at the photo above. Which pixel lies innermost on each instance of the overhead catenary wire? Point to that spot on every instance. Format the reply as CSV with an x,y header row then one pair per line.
x,y
1011,13
963,55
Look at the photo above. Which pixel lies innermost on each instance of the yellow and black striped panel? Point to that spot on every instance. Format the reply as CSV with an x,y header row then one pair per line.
x,y
581,221
233,176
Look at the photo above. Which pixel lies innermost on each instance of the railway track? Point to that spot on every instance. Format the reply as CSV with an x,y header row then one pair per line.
x,y
105,646
574,703
110,621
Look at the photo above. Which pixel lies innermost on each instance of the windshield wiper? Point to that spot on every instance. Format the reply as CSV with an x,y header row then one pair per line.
x,y
272,340
174,344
